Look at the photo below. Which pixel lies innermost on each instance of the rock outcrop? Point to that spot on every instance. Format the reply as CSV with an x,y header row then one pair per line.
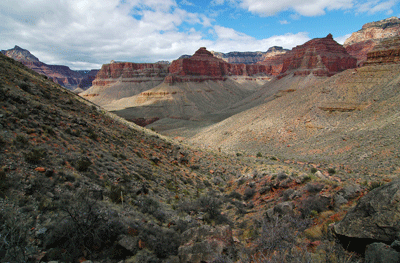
x,y
370,35
376,218
248,57
204,66
386,52
320,56
130,72
88,79
62,75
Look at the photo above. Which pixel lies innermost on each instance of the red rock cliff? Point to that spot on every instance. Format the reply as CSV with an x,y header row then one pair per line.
x,y
370,35
130,72
204,66
320,56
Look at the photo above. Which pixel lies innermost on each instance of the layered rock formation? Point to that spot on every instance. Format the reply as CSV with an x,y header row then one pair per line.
x,y
248,57
388,51
130,72
320,56
204,66
370,35
62,75
118,80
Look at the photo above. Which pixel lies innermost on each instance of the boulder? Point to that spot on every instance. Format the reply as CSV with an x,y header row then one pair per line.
x,y
375,218
205,243
381,253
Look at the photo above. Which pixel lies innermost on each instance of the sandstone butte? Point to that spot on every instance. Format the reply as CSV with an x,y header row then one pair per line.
x,y
130,72
371,34
204,66
319,56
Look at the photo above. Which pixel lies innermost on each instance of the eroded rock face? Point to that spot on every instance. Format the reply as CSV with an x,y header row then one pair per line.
x,y
130,72
205,243
320,56
376,217
204,66
387,51
248,57
370,35
62,75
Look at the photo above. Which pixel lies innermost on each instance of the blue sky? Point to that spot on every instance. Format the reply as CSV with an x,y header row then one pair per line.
x,y
85,34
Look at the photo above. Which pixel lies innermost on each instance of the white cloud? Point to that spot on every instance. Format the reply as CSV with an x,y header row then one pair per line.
x,y
376,6
284,22
304,8
231,40
342,39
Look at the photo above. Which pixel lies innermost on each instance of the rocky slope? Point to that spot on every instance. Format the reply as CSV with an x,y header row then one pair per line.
x,y
320,56
350,119
62,75
78,183
370,35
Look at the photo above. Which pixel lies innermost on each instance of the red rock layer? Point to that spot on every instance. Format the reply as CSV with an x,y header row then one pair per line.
x,y
364,40
320,56
130,72
204,66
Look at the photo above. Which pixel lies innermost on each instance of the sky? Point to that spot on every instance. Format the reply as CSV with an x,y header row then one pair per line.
x,y
84,34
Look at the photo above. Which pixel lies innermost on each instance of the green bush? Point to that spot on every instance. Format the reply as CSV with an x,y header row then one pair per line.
x,y
259,154
36,155
83,163
84,230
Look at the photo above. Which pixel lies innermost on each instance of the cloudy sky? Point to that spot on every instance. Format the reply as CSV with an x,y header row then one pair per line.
x,y
85,34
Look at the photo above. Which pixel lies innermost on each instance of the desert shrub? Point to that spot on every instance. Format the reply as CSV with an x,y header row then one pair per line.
x,y
249,193
83,163
314,187
4,183
235,195
313,205
25,87
14,229
36,155
21,141
259,154
49,130
273,158
148,205
374,184
84,229
163,242
92,134
278,236
331,171
116,193
313,170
